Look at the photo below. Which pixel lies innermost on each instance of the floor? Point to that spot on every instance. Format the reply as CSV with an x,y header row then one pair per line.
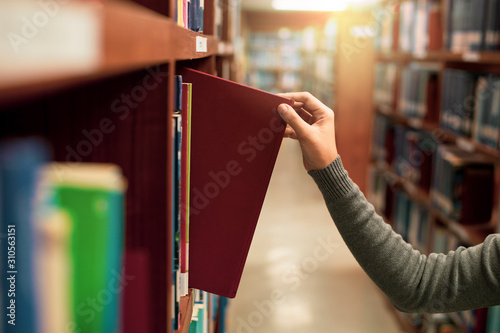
x,y
299,275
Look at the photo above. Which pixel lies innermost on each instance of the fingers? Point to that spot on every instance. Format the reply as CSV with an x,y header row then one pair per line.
x,y
307,101
291,117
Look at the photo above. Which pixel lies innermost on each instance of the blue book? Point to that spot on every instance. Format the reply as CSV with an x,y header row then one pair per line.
x,y
20,162
479,23
178,93
492,26
176,181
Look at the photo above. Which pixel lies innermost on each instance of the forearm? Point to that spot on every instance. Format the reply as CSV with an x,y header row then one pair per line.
x,y
464,279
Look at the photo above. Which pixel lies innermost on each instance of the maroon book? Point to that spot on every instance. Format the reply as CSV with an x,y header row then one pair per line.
x,y
235,137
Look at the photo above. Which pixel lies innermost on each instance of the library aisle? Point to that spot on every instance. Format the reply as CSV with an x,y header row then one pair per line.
x,y
299,275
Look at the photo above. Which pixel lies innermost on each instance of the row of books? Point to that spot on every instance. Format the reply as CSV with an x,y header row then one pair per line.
x,y
189,14
204,316
471,105
411,26
209,313
386,85
301,59
415,85
419,93
180,207
417,27
62,228
409,154
463,185
486,127
473,25
273,59
413,156
420,26
412,220
383,148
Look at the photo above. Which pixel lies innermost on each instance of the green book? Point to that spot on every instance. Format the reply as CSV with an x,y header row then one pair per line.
x,y
92,195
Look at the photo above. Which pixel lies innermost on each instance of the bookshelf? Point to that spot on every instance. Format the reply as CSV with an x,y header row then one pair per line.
x,y
292,52
422,52
124,97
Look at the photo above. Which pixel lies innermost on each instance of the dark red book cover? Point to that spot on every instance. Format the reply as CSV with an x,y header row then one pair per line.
x,y
136,296
235,137
184,250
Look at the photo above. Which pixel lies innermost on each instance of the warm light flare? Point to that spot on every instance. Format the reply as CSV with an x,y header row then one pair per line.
x,y
318,5
310,5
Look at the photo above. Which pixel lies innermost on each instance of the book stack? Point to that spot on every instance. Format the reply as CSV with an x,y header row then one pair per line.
x,y
181,193
189,14
419,93
414,154
377,189
458,101
381,192
420,26
444,241
462,185
383,148
411,220
473,25
387,38
199,318
386,86
67,223
486,129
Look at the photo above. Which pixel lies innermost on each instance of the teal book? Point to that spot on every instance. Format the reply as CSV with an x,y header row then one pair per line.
x,y
493,320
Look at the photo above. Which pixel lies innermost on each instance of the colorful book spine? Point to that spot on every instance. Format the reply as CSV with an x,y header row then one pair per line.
x,y
458,102
20,162
386,86
419,93
176,181
492,42
185,186
92,196
473,25
176,203
462,185
493,325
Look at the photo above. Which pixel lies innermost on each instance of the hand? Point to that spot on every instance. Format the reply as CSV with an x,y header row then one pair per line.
x,y
313,124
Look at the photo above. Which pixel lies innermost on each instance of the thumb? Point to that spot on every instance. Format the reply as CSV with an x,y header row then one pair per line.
x,y
291,117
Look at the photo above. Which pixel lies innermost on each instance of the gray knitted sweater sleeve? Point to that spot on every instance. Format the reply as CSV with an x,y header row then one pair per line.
x,y
467,278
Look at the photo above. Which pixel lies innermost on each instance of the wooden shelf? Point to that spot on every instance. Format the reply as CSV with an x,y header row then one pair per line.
x,y
446,136
186,309
124,48
443,56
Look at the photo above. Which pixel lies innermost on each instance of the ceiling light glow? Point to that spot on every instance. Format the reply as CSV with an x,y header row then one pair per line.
x,y
310,5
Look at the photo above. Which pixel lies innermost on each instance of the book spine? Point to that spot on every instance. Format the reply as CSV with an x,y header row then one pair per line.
x,y
20,161
493,325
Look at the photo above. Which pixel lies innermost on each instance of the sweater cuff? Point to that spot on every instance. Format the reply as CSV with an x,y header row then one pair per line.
x,y
333,180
